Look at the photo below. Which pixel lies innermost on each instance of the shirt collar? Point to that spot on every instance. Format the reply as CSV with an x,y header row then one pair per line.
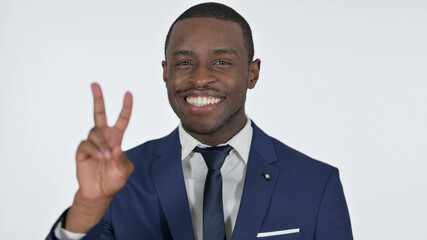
x,y
241,142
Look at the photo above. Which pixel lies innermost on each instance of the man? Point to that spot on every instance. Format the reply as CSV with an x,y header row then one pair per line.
x,y
163,189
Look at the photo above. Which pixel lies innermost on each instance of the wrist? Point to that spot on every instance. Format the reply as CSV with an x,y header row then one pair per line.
x,y
85,214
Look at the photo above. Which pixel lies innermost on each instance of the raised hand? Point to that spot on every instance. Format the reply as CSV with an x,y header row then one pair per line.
x,y
102,167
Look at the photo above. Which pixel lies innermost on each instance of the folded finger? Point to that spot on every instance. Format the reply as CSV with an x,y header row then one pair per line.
x,y
122,160
87,149
97,137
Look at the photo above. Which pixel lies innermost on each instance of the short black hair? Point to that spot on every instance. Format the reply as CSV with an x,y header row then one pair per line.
x,y
222,12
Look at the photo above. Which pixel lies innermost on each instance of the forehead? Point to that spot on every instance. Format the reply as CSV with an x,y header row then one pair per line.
x,y
206,34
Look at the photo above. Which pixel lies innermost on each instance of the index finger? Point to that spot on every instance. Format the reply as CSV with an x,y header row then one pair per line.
x,y
99,107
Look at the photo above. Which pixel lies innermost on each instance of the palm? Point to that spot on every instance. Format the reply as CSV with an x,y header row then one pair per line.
x,y
102,170
113,135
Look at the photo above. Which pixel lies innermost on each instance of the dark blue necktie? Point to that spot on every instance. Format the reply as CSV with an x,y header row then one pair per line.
x,y
213,212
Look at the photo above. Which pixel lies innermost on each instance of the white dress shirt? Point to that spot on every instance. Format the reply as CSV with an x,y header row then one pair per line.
x,y
233,175
195,170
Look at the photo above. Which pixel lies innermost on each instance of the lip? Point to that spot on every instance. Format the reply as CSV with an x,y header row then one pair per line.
x,y
201,93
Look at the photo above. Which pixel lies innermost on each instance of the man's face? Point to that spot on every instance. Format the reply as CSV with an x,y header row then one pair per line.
x,y
207,75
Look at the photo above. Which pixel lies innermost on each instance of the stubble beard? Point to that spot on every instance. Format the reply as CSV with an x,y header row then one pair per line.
x,y
216,128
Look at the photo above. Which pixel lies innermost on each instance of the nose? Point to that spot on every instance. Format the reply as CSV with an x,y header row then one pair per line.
x,y
202,77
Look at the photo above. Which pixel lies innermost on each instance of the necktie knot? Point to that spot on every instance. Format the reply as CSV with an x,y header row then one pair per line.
x,y
214,156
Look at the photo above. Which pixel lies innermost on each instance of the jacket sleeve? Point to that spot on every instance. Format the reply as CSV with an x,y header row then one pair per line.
x,y
333,220
101,231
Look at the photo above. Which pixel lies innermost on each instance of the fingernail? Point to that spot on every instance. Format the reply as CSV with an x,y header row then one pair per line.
x,y
107,154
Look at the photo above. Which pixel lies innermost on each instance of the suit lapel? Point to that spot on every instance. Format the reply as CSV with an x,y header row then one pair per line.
x,y
257,189
170,186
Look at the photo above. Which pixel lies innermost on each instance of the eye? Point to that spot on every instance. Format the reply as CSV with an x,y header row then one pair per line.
x,y
222,62
183,63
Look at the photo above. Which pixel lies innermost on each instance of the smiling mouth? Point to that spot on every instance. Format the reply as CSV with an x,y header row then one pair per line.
x,y
201,101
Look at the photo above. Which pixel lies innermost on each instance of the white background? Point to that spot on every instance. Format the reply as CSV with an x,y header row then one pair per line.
x,y
342,81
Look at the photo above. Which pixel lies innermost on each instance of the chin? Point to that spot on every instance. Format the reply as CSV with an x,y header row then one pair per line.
x,y
201,128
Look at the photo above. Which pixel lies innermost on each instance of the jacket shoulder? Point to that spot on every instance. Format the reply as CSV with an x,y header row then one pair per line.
x,y
299,164
151,149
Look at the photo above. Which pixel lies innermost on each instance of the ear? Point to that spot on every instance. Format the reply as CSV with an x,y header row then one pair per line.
x,y
165,71
254,73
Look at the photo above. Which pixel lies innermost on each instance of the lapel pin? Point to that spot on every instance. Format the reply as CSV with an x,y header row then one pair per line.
x,y
267,176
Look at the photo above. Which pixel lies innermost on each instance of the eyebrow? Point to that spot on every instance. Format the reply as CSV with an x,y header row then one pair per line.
x,y
225,51
215,52
183,52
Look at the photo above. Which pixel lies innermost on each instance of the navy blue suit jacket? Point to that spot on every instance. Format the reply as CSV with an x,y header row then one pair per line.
x,y
302,194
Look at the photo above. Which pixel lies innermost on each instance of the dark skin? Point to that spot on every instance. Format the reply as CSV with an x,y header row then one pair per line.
x,y
102,168
206,58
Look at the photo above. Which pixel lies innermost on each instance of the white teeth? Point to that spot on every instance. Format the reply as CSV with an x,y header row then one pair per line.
x,y
202,101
